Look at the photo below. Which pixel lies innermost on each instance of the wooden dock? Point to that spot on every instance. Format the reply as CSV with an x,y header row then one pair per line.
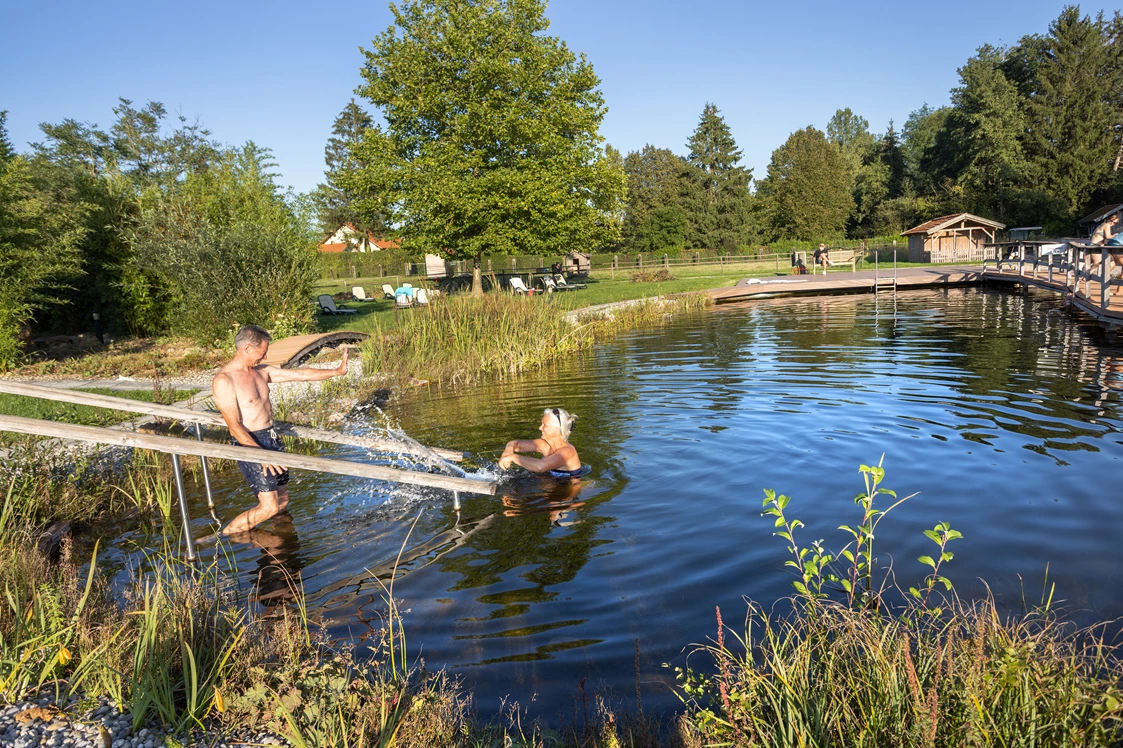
x,y
1081,273
865,281
289,352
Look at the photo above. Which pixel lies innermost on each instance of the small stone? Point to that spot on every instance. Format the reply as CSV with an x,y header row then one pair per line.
x,y
56,725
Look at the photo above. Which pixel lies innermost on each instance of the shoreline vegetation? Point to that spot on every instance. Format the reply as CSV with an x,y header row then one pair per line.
x,y
193,661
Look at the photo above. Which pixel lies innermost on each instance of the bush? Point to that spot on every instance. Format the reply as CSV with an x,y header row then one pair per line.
x,y
230,251
651,276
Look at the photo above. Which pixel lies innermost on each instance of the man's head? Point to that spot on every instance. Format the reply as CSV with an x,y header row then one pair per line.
x,y
253,343
822,245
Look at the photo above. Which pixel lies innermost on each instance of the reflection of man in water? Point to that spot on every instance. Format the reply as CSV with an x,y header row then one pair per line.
x,y
280,564
241,392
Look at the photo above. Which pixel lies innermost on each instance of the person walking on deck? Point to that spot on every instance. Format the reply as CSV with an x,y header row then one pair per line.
x,y
241,392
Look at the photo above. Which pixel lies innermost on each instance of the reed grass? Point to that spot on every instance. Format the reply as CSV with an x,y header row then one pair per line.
x,y
830,675
461,339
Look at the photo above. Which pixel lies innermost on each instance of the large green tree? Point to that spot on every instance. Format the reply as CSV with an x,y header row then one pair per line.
x,y
654,184
491,140
990,122
807,191
336,205
1072,84
715,192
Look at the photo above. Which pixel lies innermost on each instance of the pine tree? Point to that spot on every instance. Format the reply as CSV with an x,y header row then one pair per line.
x,y
807,192
989,109
715,192
1072,81
335,203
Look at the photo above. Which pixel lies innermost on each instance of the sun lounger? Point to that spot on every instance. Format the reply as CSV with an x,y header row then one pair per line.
x,y
518,286
360,294
565,285
387,291
421,297
549,285
327,306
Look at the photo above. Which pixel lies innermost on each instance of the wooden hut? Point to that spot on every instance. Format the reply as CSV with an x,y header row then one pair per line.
x,y
437,267
961,237
577,263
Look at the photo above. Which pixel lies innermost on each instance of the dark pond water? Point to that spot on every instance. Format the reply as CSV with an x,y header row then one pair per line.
x,y
1001,410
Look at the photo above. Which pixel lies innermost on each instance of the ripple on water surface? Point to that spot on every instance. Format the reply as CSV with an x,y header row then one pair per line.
x,y
1001,410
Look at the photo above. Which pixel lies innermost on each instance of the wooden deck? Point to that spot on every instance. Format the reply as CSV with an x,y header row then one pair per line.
x,y
865,281
1084,289
289,352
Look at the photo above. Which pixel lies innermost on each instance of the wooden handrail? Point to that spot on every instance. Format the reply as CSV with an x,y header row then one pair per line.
x,y
171,445
210,418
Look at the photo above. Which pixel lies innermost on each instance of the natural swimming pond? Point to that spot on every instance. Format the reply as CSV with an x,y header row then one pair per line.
x,y
1001,409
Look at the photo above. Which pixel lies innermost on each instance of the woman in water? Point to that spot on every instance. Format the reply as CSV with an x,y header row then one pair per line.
x,y
559,458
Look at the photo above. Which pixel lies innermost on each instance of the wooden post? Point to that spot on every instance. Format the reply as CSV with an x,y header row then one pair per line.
x,y
514,264
1105,279
172,445
641,259
489,264
380,270
666,264
721,263
1050,268
1021,259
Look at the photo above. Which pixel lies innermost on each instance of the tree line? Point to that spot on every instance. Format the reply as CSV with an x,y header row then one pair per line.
x,y
478,155
155,229
488,142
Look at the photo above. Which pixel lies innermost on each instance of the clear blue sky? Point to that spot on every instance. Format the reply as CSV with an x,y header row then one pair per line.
x,y
279,72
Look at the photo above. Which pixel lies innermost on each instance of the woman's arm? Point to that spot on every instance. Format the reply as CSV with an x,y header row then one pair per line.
x,y
525,445
533,464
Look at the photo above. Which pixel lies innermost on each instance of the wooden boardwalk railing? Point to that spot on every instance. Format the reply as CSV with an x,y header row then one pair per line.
x,y
1070,272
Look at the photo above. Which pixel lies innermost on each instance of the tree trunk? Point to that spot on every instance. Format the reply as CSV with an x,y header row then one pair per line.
x,y
477,277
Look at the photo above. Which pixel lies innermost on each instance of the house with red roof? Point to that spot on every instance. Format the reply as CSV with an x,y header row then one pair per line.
x,y
349,239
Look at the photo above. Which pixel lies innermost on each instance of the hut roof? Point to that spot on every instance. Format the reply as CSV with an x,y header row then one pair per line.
x,y
943,222
574,252
1098,215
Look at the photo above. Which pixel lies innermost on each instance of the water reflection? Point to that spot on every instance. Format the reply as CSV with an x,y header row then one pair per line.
x,y
1001,409
278,569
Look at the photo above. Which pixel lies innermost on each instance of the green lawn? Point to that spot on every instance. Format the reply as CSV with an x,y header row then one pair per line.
x,y
602,289
83,415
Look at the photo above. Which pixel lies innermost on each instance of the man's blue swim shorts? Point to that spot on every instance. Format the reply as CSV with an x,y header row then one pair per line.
x,y
254,473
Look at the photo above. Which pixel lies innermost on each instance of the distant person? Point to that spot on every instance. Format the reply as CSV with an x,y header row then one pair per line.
x,y
1108,234
241,392
822,257
559,458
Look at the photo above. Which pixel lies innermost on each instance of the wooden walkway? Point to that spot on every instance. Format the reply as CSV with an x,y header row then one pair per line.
x,y
1072,274
865,281
289,352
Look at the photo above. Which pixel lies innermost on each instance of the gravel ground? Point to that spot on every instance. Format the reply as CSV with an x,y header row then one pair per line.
x,y
103,725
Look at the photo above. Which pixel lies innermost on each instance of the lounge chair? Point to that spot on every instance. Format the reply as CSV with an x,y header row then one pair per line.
x,y
387,291
518,286
564,285
327,306
549,285
421,297
403,301
360,294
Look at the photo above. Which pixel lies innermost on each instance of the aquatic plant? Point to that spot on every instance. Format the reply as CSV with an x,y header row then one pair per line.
x,y
461,339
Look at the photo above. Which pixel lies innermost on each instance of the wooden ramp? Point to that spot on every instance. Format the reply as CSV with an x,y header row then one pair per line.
x,y
865,281
289,352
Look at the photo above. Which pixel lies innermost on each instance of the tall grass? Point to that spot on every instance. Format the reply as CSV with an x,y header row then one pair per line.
x,y
830,675
462,339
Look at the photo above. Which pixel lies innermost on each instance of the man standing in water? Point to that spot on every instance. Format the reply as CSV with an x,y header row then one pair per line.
x,y
241,392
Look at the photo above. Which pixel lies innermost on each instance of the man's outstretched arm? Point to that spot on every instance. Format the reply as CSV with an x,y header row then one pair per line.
x,y
277,374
